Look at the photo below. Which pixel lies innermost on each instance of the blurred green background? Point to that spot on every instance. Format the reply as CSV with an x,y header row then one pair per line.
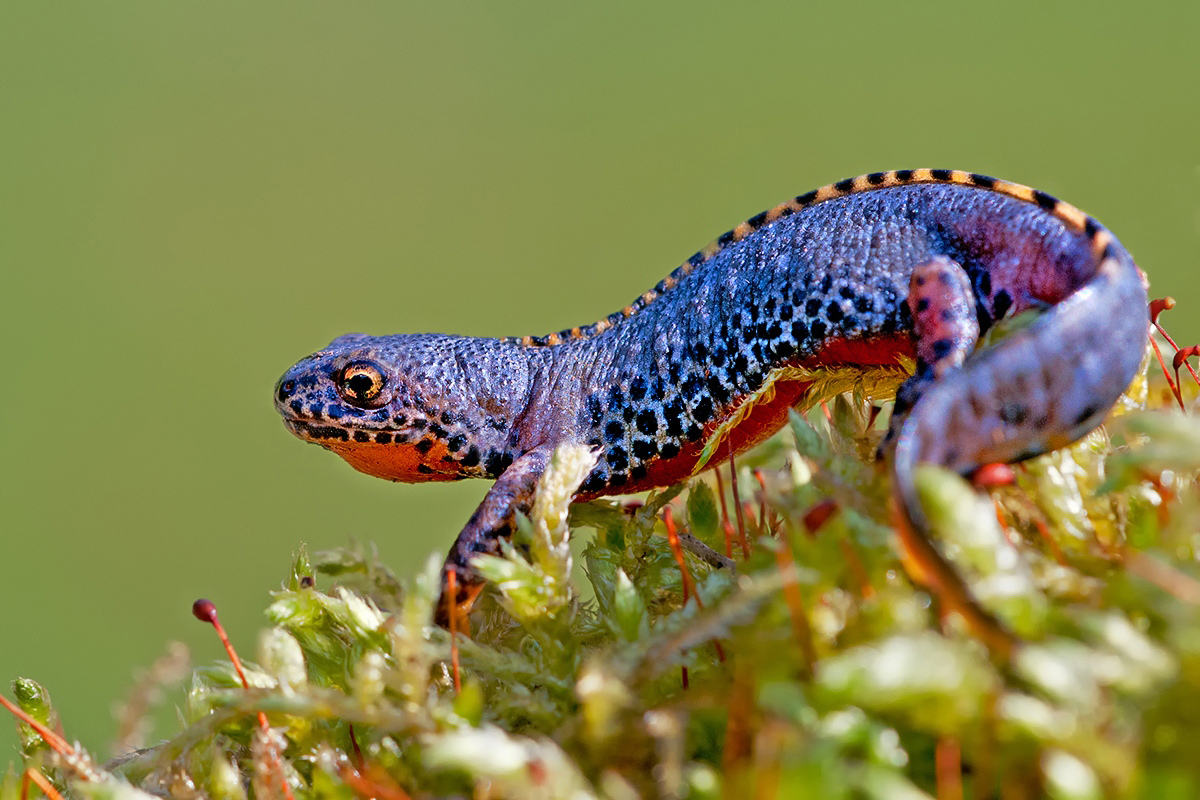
x,y
193,195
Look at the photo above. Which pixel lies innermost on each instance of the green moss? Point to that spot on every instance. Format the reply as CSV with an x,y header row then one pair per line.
x,y
565,698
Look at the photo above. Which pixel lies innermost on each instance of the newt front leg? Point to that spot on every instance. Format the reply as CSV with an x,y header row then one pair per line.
x,y
493,522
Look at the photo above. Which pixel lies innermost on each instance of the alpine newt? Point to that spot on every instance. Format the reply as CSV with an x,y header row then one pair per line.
x,y
862,274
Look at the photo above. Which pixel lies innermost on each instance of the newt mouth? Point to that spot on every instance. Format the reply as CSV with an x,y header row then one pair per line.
x,y
316,432
324,432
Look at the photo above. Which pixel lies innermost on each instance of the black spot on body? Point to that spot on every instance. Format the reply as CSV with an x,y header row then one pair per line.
x,y
673,412
942,348
940,174
807,198
647,422
834,312
471,457
985,283
424,446
617,458
383,438
614,432
456,442
296,406
904,175
725,239
704,410
497,461
1001,304
594,482
982,181
424,469
844,186
637,388
717,390
1091,227
668,450
983,317
922,305
876,178
362,436
645,449
757,220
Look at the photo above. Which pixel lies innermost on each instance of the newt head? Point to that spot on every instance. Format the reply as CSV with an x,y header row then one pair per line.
x,y
397,407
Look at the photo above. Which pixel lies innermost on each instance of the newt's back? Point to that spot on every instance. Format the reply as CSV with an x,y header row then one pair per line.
x,y
823,286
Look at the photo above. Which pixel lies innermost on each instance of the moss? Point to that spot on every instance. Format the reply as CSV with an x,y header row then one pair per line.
x,y
818,669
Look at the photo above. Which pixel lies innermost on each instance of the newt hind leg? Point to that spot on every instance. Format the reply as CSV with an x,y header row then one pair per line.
x,y
945,327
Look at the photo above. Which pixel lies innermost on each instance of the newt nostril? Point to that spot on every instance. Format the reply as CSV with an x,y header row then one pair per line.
x,y
284,390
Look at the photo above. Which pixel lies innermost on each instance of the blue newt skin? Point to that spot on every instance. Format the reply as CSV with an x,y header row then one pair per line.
x,y
858,274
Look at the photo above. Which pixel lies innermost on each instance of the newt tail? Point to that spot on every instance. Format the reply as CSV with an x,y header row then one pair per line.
x,y
869,273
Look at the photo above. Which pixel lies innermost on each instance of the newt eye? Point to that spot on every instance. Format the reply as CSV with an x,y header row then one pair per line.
x,y
361,383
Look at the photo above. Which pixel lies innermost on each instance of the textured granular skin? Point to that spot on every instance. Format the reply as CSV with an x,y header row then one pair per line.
x,y
863,273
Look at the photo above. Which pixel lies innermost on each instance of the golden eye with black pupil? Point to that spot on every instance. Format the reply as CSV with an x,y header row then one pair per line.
x,y
361,383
